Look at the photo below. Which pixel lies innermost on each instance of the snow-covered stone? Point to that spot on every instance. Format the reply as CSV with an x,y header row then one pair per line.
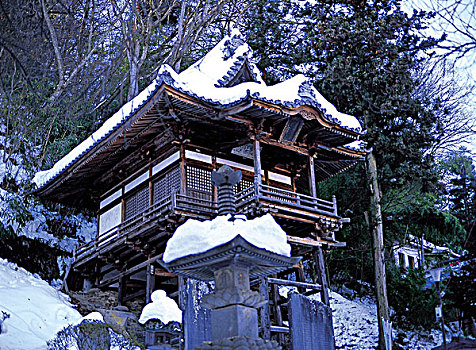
x,y
194,237
161,308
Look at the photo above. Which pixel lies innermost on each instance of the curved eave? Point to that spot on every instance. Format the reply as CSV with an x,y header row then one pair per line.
x,y
327,169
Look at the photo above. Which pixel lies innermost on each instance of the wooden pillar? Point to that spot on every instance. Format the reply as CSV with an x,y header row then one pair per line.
x,y
300,276
151,187
121,290
321,274
150,282
181,291
215,188
183,170
264,311
277,310
312,177
257,166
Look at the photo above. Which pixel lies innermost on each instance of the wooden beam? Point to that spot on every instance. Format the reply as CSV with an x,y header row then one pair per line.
x,y
304,241
234,110
293,148
130,271
134,295
164,273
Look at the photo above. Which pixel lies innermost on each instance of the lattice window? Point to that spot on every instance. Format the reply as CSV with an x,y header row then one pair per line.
x,y
199,183
243,184
164,185
137,203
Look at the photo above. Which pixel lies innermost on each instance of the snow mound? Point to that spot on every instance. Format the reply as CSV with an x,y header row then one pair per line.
x,y
161,308
37,310
194,237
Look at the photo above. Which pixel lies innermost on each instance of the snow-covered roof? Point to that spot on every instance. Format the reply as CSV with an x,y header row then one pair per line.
x,y
212,79
194,237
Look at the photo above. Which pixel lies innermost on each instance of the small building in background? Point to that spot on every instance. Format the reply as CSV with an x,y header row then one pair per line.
x,y
417,252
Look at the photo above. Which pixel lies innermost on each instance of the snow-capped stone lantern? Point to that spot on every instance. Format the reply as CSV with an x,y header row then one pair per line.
x,y
161,318
230,249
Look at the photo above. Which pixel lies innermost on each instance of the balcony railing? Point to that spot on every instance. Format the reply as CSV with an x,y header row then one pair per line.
x,y
201,206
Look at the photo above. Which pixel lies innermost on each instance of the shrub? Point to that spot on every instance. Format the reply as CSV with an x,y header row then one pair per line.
x,y
91,335
413,304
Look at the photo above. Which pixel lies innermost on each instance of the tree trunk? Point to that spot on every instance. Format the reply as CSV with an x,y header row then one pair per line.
x,y
378,253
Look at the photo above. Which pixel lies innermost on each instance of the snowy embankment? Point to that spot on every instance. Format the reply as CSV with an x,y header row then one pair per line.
x,y
36,310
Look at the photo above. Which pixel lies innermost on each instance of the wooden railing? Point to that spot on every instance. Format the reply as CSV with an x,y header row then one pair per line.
x,y
298,200
133,226
200,204
285,198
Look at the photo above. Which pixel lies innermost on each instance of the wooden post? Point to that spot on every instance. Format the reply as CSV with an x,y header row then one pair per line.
x,y
181,290
321,274
334,204
183,170
378,255
300,276
264,311
257,166
121,289
277,310
312,177
151,187
150,282
215,188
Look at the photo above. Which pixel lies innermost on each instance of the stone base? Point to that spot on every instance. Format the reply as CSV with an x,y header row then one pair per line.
x,y
239,343
234,321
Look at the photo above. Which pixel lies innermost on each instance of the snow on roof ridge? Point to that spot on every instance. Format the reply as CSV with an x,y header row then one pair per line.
x,y
427,244
223,61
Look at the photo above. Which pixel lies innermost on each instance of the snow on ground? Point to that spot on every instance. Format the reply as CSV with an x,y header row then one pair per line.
x,y
194,237
161,308
37,310
355,325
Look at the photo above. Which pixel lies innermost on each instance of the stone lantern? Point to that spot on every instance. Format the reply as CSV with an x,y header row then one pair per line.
x,y
233,305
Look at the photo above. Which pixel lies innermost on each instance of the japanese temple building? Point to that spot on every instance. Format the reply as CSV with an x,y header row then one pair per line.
x,y
147,169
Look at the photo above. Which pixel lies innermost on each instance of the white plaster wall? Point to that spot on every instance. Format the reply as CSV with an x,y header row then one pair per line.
x,y
166,162
198,156
111,198
407,251
110,218
137,181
